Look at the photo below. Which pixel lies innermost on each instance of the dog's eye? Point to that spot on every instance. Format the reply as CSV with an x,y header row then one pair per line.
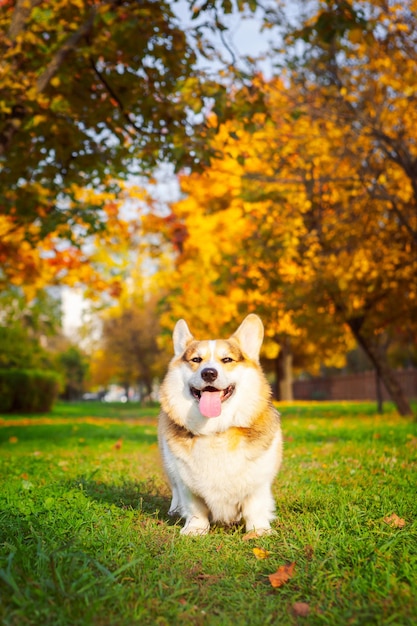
x,y
196,359
227,359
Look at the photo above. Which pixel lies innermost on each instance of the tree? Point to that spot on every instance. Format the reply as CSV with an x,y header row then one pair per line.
x,y
362,60
91,92
316,247
26,329
225,235
41,317
129,352
19,350
74,366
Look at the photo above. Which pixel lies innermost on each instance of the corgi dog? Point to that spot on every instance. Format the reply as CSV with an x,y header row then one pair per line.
x,y
219,435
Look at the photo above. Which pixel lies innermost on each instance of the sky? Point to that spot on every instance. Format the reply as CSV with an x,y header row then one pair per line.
x,y
73,305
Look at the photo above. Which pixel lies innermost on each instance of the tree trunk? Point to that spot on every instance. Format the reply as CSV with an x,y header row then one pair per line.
x,y
277,373
383,371
379,400
283,372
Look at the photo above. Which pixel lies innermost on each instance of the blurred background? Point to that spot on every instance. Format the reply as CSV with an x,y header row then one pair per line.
x,y
204,160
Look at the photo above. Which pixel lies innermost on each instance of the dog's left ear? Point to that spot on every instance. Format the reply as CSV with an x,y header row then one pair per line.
x,y
250,335
181,337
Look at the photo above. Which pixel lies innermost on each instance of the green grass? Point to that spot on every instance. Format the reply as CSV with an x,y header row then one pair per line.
x,y
85,538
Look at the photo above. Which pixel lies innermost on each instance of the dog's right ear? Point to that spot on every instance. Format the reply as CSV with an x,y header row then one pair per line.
x,y
181,337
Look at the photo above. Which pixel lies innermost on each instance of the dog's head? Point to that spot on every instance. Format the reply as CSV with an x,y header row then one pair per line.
x,y
215,372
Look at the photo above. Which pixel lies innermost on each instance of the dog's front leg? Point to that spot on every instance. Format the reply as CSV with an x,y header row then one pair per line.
x,y
258,511
176,507
196,516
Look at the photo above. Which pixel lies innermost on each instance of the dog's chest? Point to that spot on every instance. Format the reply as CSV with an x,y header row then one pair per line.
x,y
219,451
226,457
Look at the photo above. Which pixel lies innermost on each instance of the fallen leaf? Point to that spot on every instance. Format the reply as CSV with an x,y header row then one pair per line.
x,y
261,553
282,575
251,535
395,521
301,609
118,444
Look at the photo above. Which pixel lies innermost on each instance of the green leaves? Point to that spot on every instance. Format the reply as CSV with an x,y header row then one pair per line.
x,y
89,92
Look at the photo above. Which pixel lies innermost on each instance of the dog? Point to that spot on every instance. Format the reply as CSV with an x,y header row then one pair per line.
x,y
219,434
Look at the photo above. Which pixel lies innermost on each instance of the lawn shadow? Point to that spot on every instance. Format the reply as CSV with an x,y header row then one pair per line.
x,y
147,496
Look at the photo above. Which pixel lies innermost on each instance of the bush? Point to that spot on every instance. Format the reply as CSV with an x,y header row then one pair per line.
x,y
28,390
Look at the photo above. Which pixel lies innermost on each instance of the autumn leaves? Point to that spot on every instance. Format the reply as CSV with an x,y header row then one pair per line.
x,y
303,205
284,572
307,213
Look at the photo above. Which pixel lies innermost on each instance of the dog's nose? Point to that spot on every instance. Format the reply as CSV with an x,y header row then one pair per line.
x,y
209,374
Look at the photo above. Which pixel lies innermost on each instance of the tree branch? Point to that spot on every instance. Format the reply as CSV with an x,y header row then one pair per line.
x,y
20,16
113,95
68,46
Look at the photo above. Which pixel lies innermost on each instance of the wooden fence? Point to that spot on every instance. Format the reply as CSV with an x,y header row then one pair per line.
x,y
352,386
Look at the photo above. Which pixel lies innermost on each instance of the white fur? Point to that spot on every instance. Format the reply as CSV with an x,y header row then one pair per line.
x,y
213,484
211,479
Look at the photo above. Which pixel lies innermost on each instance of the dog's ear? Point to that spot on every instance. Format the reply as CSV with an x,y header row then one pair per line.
x,y
250,335
181,337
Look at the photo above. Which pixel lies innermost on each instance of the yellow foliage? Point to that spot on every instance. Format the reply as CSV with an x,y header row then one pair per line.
x,y
287,220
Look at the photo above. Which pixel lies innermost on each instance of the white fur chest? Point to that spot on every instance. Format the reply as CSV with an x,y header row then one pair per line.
x,y
223,470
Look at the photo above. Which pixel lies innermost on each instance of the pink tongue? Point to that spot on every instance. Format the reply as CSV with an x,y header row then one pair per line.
x,y
210,403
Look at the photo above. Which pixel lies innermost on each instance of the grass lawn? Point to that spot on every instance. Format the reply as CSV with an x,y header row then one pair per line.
x,y
85,539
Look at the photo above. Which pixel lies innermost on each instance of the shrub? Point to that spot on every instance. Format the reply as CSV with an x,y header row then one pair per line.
x,y
28,390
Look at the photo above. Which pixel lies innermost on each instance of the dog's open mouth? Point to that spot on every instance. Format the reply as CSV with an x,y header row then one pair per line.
x,y
210,399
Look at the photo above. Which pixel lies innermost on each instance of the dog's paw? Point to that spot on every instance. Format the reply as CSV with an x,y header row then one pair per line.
x,y
263,532
175,512
195,530
259,532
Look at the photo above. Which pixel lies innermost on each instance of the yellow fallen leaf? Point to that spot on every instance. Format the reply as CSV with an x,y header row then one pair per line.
x,y
261,553
283,574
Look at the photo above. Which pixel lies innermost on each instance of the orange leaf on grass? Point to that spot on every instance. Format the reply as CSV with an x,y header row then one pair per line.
x,y
283,574
394,521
